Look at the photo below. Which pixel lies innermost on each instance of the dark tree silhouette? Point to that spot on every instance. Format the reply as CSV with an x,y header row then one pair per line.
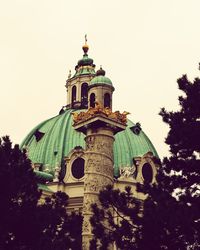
x,y
25,222
171,213
183,165
171,217
113,221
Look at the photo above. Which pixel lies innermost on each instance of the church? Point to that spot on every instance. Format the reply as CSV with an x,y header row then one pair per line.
x,y
89,145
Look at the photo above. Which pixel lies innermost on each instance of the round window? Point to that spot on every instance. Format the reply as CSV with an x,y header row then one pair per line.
x,y
147,172
78,168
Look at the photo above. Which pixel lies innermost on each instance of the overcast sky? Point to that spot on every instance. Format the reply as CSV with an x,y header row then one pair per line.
x,y
144,46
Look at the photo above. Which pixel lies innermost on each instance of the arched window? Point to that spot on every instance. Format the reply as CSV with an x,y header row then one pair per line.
x,y
92,100
147,173
73,95
107,100
77,168
84,95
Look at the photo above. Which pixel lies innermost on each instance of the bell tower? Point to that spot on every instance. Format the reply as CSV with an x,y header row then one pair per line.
x,y
77,84
99,124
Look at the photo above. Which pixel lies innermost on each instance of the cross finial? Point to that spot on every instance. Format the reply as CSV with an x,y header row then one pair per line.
x,y
85,46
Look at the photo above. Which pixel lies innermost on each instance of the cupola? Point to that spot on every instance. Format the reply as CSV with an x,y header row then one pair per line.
x,y
100,90
77,84
100,78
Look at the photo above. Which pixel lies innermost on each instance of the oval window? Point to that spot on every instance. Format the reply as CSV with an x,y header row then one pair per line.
x,y
77,168
147,173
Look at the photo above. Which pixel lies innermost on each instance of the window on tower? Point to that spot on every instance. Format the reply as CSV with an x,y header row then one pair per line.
x,y
92,100
73,95
107,100
84,95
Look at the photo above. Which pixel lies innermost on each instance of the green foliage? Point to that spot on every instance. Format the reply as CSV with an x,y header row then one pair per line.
x,y
26,224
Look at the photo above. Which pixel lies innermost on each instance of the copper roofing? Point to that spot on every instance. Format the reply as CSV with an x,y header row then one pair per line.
x,y
60,138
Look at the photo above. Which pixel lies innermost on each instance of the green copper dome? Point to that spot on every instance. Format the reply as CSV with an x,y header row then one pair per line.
x,y
52,140
85,66
101,80
85,61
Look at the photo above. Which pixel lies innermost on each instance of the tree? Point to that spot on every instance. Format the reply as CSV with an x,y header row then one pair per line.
x,y
18,191
57,229
26,224
113,221
175,199
183,165
171,212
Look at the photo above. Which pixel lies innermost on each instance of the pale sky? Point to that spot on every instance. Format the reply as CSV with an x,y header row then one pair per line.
x,y
144,46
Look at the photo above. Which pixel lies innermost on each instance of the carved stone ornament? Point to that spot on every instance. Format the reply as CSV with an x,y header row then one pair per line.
x,y
107,167
56,174
98,144
86,206
90,143
86,226
86,244
99,109
88,200
93,163
105,147
91,185
127,172
98,164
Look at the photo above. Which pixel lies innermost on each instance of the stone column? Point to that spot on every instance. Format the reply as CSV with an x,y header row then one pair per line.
x,y
99,125
98,173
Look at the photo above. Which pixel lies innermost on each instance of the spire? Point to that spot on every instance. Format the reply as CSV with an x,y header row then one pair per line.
x,y
85,46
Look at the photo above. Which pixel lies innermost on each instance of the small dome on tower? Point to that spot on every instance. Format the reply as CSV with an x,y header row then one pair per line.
x,y
100,78
85,61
